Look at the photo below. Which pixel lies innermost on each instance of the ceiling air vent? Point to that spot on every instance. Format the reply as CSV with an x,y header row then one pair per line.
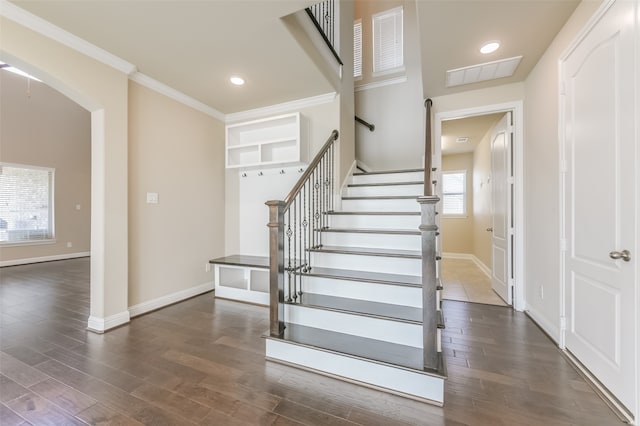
x,y
483,72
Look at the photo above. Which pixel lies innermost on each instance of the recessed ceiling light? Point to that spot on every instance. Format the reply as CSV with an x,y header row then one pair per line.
x,y
490,47
238,81
462,140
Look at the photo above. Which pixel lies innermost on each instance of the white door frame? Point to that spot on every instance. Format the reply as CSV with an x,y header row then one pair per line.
x,y
516,108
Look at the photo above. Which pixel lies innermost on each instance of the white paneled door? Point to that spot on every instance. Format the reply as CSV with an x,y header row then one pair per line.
x,y
600,186
501,201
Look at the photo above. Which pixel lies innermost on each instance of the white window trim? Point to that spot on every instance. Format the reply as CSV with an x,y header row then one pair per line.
x,y
464,214
52,239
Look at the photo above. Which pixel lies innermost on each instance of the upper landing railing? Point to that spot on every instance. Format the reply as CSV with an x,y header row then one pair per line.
x,y
325,18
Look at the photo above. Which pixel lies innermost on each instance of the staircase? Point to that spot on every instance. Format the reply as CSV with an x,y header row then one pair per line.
x,y
352,303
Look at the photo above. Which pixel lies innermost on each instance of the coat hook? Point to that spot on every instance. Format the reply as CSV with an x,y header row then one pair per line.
x,y
300,170
281,172
259,173
244,175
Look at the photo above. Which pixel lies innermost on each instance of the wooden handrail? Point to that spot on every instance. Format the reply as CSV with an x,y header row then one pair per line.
x,y
371,127
428,187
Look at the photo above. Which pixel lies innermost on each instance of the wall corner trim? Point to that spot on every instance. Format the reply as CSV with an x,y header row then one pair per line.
x,y
146,81
280,108
169,299
47,29
100,325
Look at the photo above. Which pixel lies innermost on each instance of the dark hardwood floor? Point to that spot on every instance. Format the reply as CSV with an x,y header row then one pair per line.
x,y
202,362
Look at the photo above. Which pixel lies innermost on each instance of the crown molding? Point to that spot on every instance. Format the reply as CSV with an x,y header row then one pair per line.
x,y
281,108
47,29
176,95
376,84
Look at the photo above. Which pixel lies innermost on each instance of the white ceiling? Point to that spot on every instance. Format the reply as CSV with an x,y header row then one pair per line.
x,y
473,128
195,46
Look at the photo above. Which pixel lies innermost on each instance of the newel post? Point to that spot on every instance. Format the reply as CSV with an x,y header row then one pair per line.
x,y
428,229
276,267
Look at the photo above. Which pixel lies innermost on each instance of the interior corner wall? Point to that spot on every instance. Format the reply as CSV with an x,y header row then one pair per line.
x,y
347,138
542,178
102,90
246,215
177,153
482,215
397,110
41,127
458,232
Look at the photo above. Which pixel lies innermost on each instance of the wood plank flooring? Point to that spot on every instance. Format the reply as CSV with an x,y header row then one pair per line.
x,y
202,362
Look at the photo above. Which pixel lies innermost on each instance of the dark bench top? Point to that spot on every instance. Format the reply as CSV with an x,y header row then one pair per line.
x,y
242,260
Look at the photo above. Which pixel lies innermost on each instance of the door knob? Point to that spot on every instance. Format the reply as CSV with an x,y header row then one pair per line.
x,y
489,229
624,255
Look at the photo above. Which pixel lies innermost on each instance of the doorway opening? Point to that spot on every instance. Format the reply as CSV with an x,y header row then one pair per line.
x,y
480,185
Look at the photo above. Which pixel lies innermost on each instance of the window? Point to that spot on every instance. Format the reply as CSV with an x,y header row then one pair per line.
x,y
357,49
454,193
26,203
387,40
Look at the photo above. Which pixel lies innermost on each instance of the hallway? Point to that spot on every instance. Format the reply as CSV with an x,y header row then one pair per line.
x,y
464,281
202,362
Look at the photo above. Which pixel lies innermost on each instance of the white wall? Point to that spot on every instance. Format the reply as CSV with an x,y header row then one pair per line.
x,y
397,110
246,215
482,209
542,180
41,127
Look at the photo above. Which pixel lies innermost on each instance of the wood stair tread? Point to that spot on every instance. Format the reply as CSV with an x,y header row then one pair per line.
x,y
382,197
368,251
386,172
360,185
373,213
372,231
242,260
377,351
388,311
366,276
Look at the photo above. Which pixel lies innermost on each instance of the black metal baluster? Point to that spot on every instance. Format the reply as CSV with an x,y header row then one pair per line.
x,y
289,232
295,276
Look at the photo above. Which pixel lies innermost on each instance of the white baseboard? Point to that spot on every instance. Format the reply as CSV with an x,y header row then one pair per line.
x,y
484,268
364,167
26,261
161,302
551,329
343,186
100,325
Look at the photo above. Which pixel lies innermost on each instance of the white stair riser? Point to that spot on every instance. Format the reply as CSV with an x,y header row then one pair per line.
x,y
383,264
373,328
372,191
368,373
374,221
388,177
383,205
390,241
373,292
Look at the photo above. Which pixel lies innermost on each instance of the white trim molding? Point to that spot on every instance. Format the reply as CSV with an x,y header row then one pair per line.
x,y
26,261
479,263
174,94
281,108
100,325
169,299
47,29
377,84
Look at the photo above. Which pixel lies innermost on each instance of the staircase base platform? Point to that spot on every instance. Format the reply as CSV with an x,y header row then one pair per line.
x,y
372,363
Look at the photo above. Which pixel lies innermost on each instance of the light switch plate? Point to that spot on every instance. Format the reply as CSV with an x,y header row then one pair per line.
x,y
152,198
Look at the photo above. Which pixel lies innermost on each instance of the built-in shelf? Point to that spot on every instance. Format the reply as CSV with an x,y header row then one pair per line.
x,y
268,141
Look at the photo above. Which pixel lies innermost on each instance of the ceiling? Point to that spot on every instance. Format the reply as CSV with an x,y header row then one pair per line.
x,y
452,31
195,46
473,128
